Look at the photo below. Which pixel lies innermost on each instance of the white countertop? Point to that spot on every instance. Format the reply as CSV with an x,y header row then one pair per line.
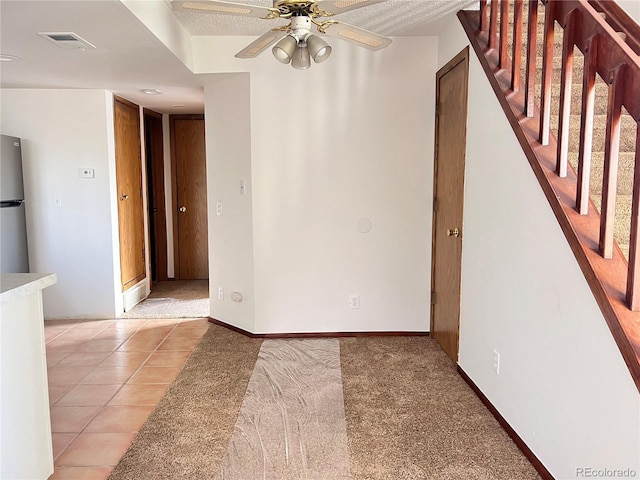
x,y
13,285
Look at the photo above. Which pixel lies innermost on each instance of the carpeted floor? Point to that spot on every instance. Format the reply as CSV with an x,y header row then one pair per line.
x,y
411,416
174,299
408,415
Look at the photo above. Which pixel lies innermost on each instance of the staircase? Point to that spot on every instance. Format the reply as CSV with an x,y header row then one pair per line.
x,y
627,133
567,74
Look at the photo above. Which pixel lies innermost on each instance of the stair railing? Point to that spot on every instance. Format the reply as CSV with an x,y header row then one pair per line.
x,y
610,43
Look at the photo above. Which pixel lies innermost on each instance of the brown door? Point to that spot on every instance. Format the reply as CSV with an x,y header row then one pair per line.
x,y
156,195
190,180
129,184
450,135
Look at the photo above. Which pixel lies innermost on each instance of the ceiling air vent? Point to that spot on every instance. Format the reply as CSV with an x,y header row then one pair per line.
x,y
67,40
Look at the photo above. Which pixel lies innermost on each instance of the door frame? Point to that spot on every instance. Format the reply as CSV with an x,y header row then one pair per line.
x,y
174,184
154,160
462,57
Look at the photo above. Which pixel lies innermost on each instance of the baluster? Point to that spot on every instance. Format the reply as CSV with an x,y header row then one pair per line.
x,y
504,36
565,94
516,58
532,35
493,24
633,280
586,126
547,74
483,15
610,173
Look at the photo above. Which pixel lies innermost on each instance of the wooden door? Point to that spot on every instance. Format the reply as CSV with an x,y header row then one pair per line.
x,y
129,184
191,259
450,136
156,195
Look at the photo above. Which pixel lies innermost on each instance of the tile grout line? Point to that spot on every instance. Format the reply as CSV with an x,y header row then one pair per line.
x,y
78,383
140,366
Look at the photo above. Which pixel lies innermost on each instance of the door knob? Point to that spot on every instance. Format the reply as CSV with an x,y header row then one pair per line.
x,y
453,232
183,209
123,197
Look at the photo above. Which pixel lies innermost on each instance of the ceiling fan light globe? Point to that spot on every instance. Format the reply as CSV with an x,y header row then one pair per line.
x,y
318,48
301,59
285,49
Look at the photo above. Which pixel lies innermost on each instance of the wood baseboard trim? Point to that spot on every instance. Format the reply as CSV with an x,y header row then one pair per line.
x,y
316,334
537,464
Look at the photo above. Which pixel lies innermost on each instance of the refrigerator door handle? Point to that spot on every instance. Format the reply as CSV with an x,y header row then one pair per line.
x,y
10,203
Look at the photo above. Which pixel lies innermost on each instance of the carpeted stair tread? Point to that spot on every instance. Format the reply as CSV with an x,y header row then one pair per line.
x,y
627,132
625,176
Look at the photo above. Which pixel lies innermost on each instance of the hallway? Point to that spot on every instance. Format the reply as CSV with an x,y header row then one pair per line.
x,y
174,299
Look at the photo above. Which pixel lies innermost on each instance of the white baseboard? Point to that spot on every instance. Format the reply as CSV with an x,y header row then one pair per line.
x,y
135,295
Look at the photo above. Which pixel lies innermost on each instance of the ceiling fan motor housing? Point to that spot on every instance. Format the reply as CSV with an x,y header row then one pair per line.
x,y
301,27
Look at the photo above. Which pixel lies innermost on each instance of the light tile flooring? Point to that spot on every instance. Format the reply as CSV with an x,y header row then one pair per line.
x,y
105,378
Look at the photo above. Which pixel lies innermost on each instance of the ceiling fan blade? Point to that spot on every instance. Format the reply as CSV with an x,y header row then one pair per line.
x,y
355,35
327,8
225,8
259,45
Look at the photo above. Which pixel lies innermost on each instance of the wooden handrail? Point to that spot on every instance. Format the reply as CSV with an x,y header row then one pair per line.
x,y
610,43
620,21
618,51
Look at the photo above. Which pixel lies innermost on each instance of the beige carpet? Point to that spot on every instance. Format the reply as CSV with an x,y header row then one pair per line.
x,y
408,413
410,416
174,299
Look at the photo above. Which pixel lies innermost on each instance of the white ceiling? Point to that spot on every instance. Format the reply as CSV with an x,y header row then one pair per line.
x,y
128,57
393,18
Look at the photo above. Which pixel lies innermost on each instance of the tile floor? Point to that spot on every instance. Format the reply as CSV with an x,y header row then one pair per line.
x,y
105,378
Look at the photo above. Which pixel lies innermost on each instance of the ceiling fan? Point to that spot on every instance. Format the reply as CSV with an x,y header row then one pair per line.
x,y
297,44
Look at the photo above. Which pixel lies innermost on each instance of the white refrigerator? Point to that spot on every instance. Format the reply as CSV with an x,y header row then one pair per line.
x,y
14,257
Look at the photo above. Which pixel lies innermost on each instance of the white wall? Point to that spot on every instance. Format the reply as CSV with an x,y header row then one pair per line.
x,y
159,18
632,7
563,385
228,130
62,131
350,138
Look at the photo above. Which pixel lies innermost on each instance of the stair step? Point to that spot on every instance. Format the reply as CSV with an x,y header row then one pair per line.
x,y
557,49
622,224
602,92
602,89
627,132
625,172
628,126
625,161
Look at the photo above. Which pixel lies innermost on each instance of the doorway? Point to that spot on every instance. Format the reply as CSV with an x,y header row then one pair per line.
x,y
156,195
448,201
